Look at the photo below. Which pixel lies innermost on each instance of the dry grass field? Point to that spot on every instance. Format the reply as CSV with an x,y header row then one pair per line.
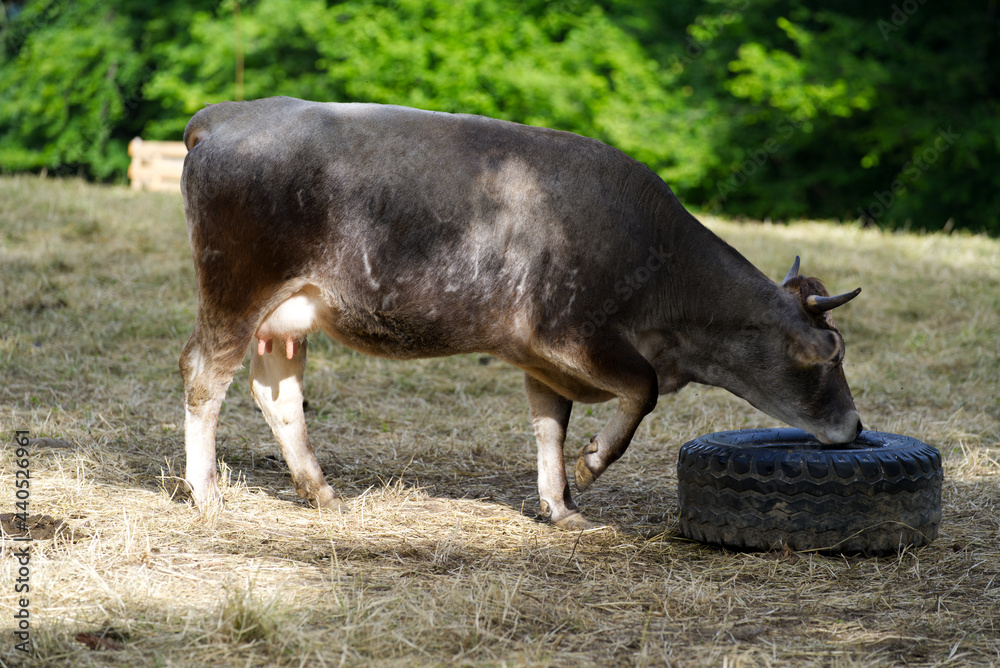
x,y
443,560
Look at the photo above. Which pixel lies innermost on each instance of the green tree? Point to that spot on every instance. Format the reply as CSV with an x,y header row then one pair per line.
x,y
771,108
536,63
71,81
887,113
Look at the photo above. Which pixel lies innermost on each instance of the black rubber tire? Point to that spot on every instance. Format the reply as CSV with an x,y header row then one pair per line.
x,y
766,489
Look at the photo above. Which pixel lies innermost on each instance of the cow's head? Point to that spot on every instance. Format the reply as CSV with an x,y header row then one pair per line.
x,y
784,356
808,388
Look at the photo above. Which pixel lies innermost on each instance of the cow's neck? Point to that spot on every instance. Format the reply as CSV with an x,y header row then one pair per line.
x,y
715,284
708,293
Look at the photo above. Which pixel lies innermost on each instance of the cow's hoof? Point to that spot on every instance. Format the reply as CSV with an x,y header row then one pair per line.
x,y
583,475
207,498
576,522
327,499
211,505
335,505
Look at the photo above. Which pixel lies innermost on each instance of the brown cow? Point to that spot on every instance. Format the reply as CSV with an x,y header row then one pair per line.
x,y
405,233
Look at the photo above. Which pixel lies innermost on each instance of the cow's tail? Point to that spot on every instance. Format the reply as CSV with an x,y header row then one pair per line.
x,y
194,133
200,126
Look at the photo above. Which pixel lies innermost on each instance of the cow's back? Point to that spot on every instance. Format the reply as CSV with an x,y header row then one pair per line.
x,y
428,220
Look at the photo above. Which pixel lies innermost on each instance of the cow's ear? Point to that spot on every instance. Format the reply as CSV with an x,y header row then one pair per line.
x,y
810,346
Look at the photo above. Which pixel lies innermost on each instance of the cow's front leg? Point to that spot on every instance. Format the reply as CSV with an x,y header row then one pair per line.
x,y
276,384
549,416
628,375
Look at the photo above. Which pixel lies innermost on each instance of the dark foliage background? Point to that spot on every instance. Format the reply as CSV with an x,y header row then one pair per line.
x,y
771,109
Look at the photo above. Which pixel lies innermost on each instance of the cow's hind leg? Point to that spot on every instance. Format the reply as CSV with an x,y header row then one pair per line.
x,y
276,384
207,367
549,415
618,368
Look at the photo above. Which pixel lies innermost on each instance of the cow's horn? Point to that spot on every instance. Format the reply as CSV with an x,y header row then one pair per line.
x,y
818,304
792,273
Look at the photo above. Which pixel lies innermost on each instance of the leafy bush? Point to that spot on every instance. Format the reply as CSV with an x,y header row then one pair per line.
x,y
776,108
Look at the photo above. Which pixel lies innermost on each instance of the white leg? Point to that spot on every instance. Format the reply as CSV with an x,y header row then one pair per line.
x,y
206,379
276,384
549,416
199,447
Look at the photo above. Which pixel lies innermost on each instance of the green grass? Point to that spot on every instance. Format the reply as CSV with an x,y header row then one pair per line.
x,y
442,560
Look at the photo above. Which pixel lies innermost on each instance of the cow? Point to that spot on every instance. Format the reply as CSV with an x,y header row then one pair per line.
x,y
405,233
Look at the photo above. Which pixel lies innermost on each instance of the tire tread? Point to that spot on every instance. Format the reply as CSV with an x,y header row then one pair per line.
x,y
871,500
